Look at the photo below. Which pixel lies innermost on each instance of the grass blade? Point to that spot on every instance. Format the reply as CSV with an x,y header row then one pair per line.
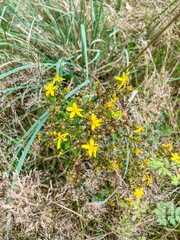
x,y
84,43
22,68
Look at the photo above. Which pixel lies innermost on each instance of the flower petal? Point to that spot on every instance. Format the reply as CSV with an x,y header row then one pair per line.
x,y
72,114
91,142
74,105
79,114
59,144
95,152
118,78
52,93
87,146
90,152
93,127
93,117
69,109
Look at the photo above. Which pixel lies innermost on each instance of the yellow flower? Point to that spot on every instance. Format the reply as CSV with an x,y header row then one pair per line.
x,y
97,168
138,151
129,201
113,100
118,114
145,161
74,110
92,147
149,180
124,79
113,165
95,122
129,88
57,78
139,130
138,193
175,157
109,104
68,89
60,153
39,138
61,137
50,89
168,146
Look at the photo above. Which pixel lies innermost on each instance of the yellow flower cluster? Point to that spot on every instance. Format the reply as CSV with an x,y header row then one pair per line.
x,y
95,122
75,110
138,151
58,79
112,101
168,146
138,193
118,114
139,130
50,88
114,165
91,147
148,180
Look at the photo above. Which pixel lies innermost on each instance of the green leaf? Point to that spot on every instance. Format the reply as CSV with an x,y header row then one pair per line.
x,y
166,163
162,221
165,171
114,136
67,145
156,164
172,220
175,180
177,214
123,204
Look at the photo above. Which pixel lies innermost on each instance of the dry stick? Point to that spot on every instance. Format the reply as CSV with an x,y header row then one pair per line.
x,y
171,230
68,209
82,4
174,19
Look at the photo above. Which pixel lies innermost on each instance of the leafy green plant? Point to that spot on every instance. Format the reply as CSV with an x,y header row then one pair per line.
x,y
167,168
167,213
